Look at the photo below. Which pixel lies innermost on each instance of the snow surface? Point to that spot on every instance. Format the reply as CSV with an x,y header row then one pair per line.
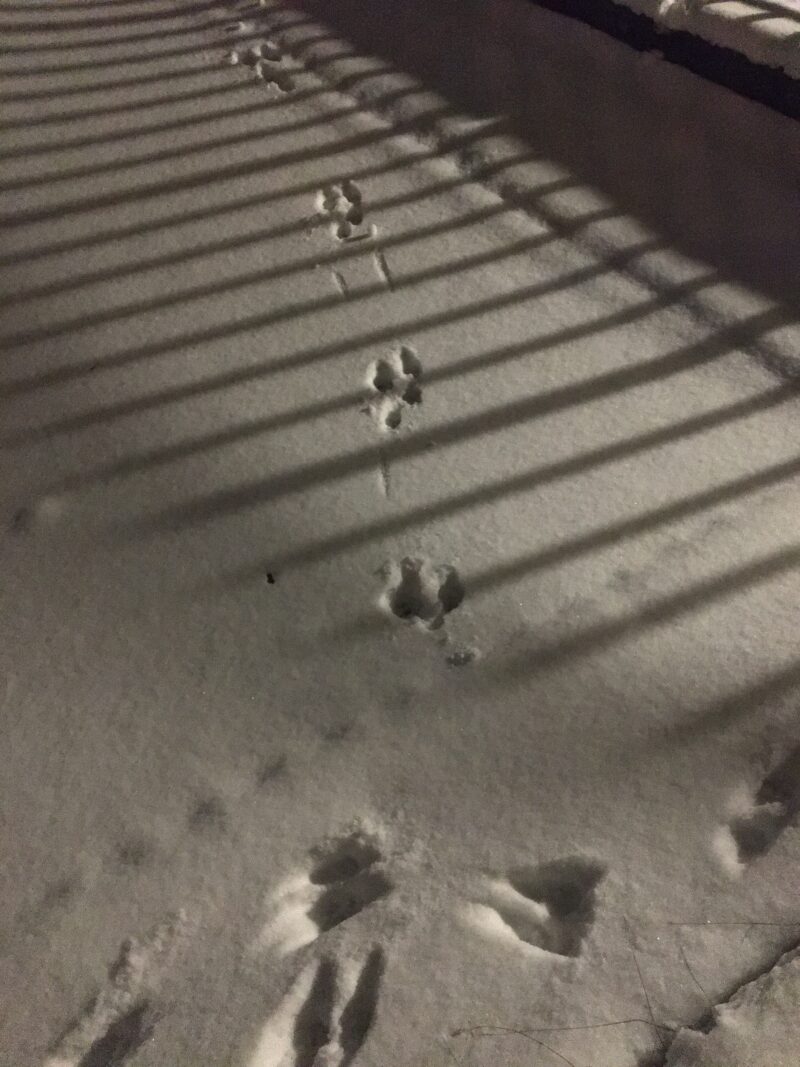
x,y
400,581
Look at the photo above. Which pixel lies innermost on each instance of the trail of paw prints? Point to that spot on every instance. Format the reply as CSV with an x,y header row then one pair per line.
x,y
395,387
760,819
343,878
325,1018
122,1016
421,592
342,207
549,908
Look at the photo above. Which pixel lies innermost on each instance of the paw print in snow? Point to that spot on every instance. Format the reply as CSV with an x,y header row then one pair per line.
x,y
395,386
343,879
418,591
549,908
343,206
268,68
266,61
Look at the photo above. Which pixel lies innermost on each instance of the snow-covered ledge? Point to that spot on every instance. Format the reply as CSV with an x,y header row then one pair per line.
x,y
766,31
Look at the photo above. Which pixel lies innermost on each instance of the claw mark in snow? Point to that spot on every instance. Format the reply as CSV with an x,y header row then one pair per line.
x,y
235,29
385,475
340,283
461,657
382,270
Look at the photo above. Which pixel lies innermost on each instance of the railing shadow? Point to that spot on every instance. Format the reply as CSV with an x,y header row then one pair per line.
x,y
283,271
683,178
130,267
126,107
455,370
228,204
256,493
528,481
221,502
659,612
414,324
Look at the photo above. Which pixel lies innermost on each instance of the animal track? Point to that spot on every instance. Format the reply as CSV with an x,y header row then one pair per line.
x,y
58,894
461,657
347,857
342,206
550,907
325,1018
236,29
133,852
120,1018
395,386
337,732
341,284
313,1026
281,80
343,880
359,1014
122,1038
266,61
417,591
208,814
382,269
753,832
270,770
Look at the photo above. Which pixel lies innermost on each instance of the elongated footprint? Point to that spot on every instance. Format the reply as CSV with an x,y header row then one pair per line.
x,y
122,1016
325,1017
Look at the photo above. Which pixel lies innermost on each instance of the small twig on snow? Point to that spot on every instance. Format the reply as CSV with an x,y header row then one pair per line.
x,y
692,975
650,1012
493,1031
